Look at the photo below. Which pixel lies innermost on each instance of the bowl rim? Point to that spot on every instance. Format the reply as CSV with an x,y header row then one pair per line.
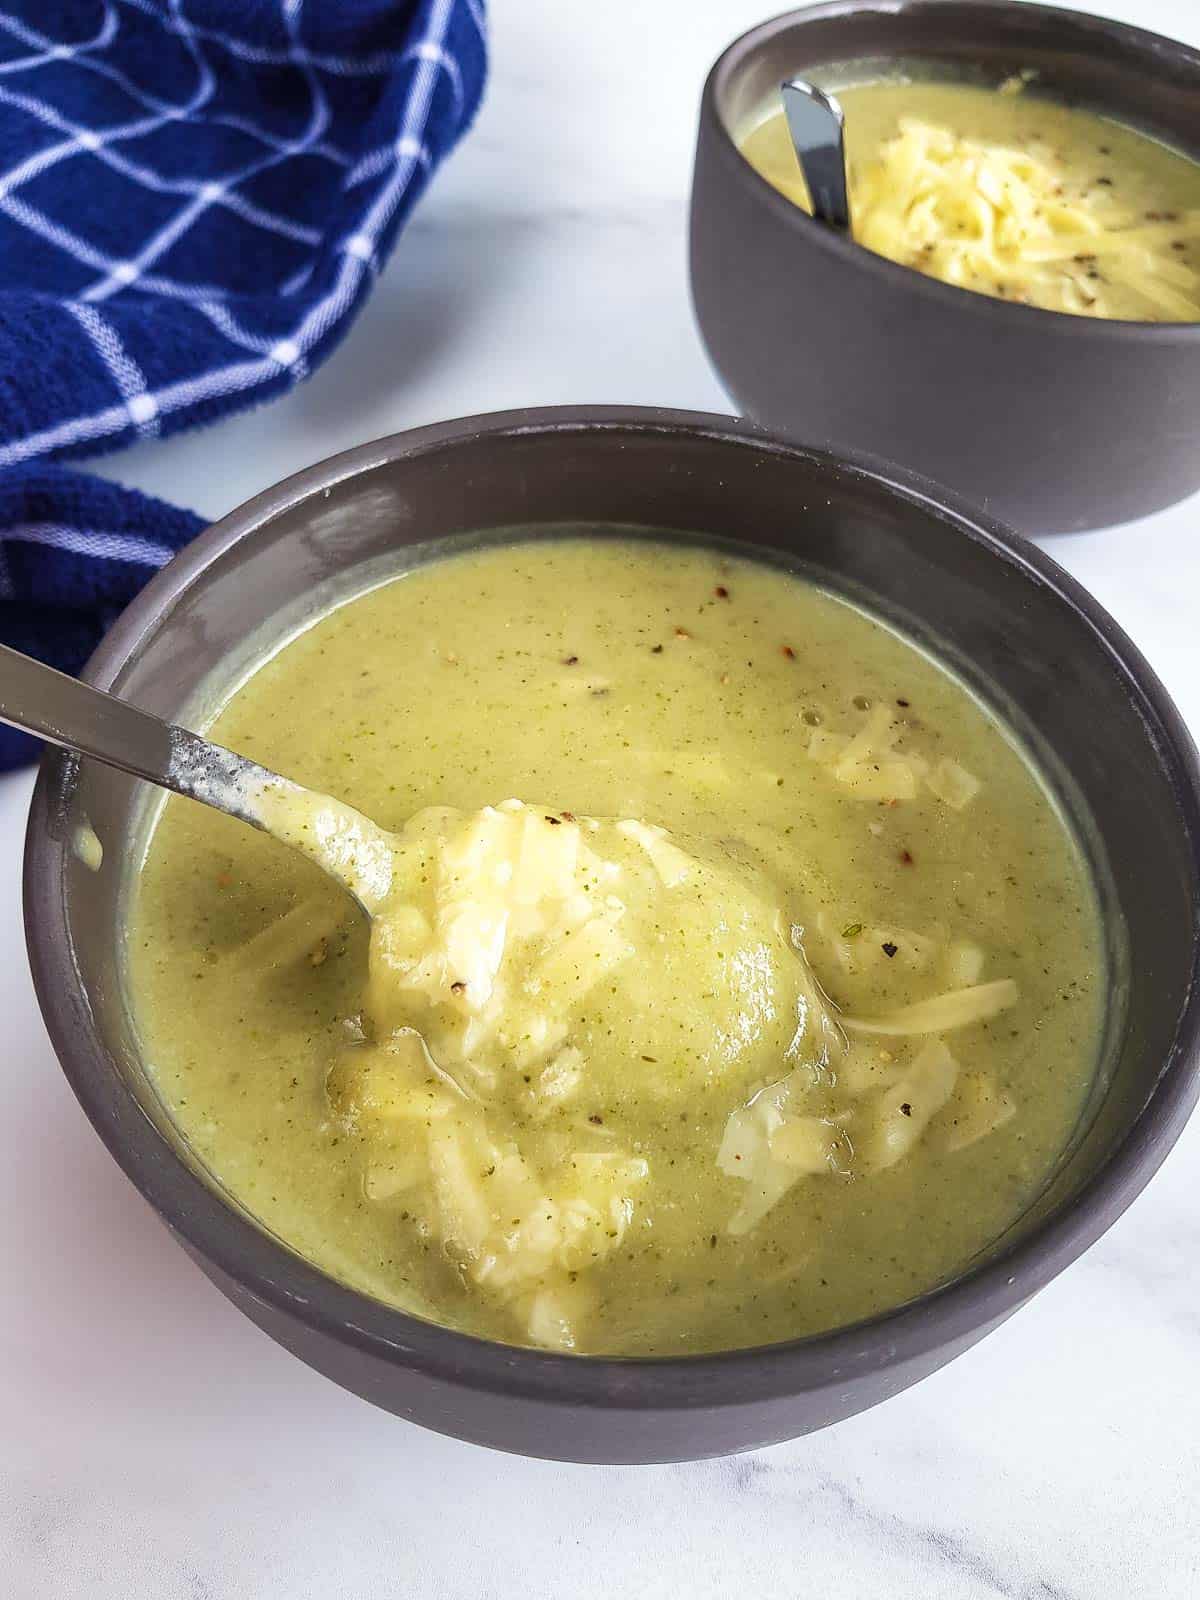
x,y
1085,28
276,1276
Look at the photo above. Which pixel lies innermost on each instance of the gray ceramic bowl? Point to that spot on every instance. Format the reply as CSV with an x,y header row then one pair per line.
x,y
1016,626
1053,422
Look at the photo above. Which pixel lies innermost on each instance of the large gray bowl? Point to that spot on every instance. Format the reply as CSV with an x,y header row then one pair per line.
x,y
1053,422
1028,637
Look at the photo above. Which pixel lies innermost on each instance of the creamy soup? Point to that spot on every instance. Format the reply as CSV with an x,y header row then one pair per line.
x,y
1014,196
730,974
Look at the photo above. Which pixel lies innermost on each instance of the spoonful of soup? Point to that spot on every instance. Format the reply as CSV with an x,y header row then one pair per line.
x,y
486,928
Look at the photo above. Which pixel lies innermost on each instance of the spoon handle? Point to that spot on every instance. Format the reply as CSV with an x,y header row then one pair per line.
x,y
348,846
817,126
66,712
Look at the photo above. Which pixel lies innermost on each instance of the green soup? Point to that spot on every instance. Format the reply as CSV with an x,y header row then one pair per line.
x,y
739,978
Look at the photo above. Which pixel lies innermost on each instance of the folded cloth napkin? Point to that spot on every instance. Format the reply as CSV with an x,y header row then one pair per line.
x,y
195,196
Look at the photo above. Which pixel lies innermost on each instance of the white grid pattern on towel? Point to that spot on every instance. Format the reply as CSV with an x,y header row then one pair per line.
x,y
284,352
86,542
81,56
125,372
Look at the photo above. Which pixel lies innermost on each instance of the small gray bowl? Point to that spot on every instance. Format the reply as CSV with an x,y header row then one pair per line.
x,y
1027,637
1052,422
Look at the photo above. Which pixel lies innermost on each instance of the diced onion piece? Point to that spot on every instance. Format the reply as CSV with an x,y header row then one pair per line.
x,y
398,937
976,1109
868,765
575,964
668,860
472,853
956,1009
863,763
897,1119
529,1037
595,1217
764,1191
394,1173
825,746
513,1188
952,784
553,1315
607,1167
557,1081
856,945
473,937
807,1144
463,1209
865,1068
882,780
874,737
745,1140
964,963
747,1152
548,860
373,1087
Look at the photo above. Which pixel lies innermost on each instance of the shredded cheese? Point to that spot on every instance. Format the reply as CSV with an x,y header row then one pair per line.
x,y
1016,224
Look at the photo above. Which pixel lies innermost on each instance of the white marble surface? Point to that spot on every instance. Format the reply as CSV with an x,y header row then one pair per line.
x,y
153,1443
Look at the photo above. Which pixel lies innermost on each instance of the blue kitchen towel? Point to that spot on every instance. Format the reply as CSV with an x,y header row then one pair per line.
x,y
195,196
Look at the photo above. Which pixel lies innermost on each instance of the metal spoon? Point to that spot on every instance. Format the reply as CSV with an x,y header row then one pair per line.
x,y
817,124
348,846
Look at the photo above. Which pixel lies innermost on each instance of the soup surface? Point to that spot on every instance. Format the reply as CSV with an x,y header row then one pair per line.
x,y
733,976
1014,196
